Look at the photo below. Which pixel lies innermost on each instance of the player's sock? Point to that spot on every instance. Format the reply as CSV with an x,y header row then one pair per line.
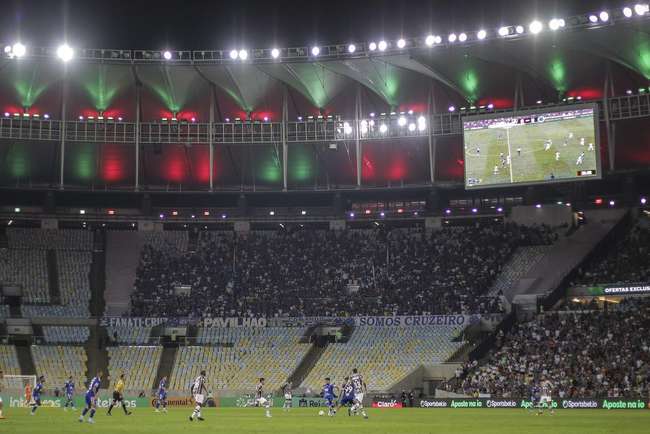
x,y
34,407
124,408
110,408
92,413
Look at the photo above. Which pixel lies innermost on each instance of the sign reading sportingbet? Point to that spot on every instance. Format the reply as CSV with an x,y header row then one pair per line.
x,y
568,404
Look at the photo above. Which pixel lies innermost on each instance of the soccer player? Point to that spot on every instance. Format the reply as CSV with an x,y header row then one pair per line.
x,y
496,170
28,393
478,150
580,159
547,144
328,396
590,147
162,396
68,388
286,391
519,151
508,160
36,394
199,390
534,396
260,400
91,398
582,141
2,376
347,398
118,396
545,400
557,155
359,389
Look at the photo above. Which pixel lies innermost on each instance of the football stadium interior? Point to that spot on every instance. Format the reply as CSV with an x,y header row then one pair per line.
x,y
294,213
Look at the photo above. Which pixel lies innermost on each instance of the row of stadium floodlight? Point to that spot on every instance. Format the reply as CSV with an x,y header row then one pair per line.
x,y
66,52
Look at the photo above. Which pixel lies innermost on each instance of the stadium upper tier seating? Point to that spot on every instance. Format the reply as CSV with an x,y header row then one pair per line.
x,y
327,273
9,360
130,335
628,261
65,335
235,358
57,363
384,355
138,363
25,263
587,354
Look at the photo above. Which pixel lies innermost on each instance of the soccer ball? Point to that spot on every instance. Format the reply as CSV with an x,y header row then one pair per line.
x,y
321,413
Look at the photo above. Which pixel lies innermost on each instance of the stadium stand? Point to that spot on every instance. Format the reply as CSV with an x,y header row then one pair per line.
x,y
27,268
36,310
130,335
74,283
139,363
626,262
266,274
384,355
58,362
44,239
236,357
523,259
9,360
65,335
4,311
585,354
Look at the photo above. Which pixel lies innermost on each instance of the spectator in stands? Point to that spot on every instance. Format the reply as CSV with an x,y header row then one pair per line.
x,y
328,273
588,354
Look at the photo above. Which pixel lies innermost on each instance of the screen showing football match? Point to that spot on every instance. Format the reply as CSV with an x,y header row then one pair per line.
x,y
531,147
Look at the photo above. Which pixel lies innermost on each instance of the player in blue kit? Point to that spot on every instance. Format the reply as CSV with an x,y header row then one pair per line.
x,y
329,396
36,394
162,396
91,398
347,395
535,393
68,388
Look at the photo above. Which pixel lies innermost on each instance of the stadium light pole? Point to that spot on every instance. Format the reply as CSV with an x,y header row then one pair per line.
x,y
211,137
283,131
357,116
137,136
432,141
64,97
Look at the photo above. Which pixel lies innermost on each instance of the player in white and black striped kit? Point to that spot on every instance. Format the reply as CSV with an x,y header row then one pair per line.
x,y
199,390
286,391
359,390
260,400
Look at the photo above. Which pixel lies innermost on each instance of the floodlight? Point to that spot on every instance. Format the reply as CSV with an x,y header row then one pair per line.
x,y
234,54
243,54
535,27
65,52
452,37
462,37
372,46
382,45
167,55
275,53
352,48
519,30
401,121
604,16
641,9
347,129
504,31
481,34
18,50
383,128
401,43
411,127
430,40
627,12
554,24
452,108
593,18
315,51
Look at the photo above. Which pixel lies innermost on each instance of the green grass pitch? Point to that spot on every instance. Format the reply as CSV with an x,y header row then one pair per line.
x,y
530,161
307,421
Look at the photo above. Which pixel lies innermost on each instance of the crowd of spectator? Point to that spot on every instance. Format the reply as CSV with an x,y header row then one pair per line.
x,y
599,354
330,273
627,262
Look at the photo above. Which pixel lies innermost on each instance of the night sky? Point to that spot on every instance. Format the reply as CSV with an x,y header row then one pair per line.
x,y
204,24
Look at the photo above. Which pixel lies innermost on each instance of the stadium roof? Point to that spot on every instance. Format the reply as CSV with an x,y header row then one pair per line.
x,y
548,67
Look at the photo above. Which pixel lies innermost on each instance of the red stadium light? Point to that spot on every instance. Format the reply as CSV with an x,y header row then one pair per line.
x,y
367,211
174,213
400,210
206,213
111,212
598,201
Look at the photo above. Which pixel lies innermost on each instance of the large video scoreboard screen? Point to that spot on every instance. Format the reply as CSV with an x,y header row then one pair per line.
x,y
531,147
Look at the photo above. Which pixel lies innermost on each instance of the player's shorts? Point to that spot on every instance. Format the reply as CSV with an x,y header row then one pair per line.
x,y
162,396
68,396
329,400
261,401
37,401
287,396
347,399
358,397
90,399
117,396
199,398
545,399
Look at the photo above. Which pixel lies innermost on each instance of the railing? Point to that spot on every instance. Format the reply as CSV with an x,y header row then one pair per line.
x,y
317,130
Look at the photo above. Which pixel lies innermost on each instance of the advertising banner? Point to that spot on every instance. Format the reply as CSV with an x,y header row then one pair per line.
x,y
409,321
16,401
600,290
383,403
577,403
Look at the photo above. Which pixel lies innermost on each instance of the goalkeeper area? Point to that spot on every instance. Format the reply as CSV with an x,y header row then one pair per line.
x,y
307,421
531,149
